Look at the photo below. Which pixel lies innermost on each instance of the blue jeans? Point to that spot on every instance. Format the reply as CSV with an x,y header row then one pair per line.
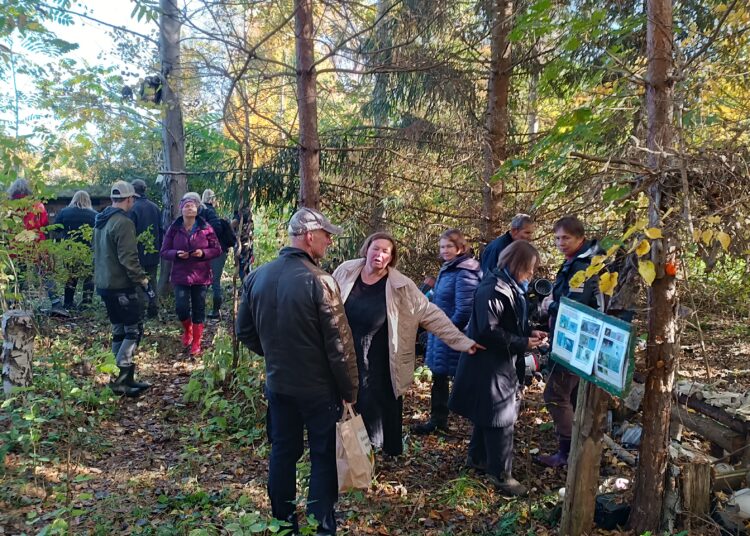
x,y
290,415
217,268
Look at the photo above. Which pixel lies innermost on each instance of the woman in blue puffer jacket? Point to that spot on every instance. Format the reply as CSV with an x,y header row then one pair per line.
x,y
454,294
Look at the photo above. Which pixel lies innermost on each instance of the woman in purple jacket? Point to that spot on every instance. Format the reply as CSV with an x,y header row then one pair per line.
x,y
190,243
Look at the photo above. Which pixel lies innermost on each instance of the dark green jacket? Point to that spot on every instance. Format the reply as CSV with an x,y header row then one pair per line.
x,y
116,265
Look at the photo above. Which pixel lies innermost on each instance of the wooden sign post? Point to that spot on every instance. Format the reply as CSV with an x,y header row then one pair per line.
x,y
599,348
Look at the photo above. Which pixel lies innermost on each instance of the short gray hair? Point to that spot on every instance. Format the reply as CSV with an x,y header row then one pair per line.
x,y
520,221
81,199
19,188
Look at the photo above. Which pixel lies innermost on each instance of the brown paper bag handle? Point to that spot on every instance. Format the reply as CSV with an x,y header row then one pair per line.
x,y
348,412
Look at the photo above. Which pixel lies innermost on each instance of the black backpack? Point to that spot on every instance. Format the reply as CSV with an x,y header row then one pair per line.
x,y
225,234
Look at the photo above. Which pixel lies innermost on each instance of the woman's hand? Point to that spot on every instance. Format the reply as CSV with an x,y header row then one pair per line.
x,y
183,254
539,334
475,348
535,342
197,253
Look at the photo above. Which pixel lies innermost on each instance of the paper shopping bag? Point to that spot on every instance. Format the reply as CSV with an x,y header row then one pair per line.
x,y
355,461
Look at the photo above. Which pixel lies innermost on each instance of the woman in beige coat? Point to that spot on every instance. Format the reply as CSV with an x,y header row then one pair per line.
x,y
384,309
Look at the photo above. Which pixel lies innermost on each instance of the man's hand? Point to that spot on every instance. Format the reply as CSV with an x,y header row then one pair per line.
x,y
198,253
183,254
475,348
539,334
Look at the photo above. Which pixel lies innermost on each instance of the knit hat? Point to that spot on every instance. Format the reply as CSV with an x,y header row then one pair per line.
x,y
191,197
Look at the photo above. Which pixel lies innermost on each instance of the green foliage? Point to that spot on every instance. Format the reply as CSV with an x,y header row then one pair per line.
x,y
237,409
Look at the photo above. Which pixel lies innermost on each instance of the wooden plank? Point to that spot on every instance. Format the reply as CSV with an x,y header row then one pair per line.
x,y
708,429
585,458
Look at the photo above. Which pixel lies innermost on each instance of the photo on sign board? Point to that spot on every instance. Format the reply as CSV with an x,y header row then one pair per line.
x,y
591,327
566,343
568,324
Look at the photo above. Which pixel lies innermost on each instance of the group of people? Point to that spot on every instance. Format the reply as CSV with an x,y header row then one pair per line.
x,y
125,265
349,338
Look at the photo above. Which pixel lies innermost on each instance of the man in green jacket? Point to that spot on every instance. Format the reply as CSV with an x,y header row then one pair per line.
x,y
117,275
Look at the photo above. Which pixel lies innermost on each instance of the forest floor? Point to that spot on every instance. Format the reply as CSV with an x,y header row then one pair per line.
x,y
186,458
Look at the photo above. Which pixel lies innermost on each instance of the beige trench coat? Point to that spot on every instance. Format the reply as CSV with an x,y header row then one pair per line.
x,y
406,309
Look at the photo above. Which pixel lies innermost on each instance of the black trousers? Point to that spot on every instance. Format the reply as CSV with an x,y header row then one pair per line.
x,y
290,416
439,399
190,302
493,447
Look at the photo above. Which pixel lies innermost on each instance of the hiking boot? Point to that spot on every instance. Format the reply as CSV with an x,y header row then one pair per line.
x,y
507,485
429,427
187,334
120,385
57,309
130,381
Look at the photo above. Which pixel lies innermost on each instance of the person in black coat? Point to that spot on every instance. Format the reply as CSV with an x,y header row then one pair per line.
x,y
521,228
147,216
487,385
561,390
73,218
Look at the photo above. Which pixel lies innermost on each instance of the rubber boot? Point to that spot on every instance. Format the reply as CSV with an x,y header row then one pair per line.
x,y
131,380
120,385
195,348
558,459
187,335
429,427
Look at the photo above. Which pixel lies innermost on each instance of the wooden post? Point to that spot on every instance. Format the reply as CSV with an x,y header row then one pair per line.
x,y
584,461
695,484
18,349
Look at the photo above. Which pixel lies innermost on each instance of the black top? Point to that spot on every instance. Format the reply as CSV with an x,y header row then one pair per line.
x,y
366,312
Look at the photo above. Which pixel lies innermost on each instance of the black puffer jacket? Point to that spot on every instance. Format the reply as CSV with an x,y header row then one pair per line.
x,y
291,313
588,293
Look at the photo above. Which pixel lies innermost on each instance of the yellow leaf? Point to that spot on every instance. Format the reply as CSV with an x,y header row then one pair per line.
x,y
26,236
714,219
643,248
637,226
706,236
608,282
724,239
578,279
653,232
593,269
598,259
696,235
647,271
611,251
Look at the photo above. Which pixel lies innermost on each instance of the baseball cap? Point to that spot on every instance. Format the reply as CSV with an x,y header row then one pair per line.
x,y
122,190
307,219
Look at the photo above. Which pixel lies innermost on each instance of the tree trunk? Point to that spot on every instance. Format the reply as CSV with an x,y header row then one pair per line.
x,y
307,106
498,118
173,133
585,458
663,335
383,58
18,349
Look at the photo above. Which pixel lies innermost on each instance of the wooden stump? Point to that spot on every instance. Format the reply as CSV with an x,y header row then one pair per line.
x,y
18,349
695,484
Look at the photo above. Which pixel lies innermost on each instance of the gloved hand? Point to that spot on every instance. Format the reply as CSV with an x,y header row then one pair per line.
x,y
149,291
